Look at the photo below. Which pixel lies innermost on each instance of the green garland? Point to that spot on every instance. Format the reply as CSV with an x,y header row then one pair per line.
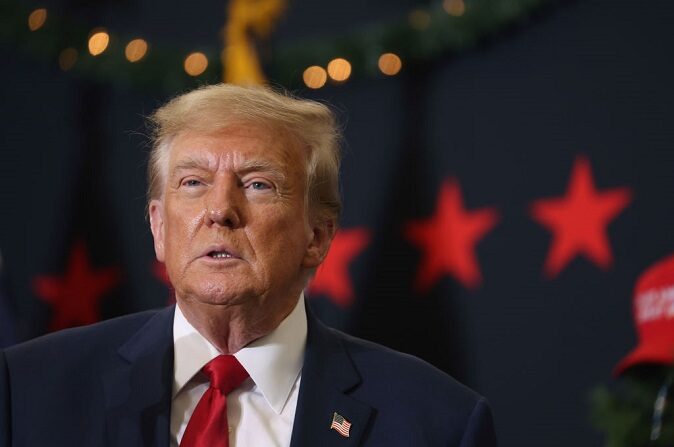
x,y
439,34
624,411
444,34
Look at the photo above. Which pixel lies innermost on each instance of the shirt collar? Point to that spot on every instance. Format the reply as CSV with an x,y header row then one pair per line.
x,y
274,361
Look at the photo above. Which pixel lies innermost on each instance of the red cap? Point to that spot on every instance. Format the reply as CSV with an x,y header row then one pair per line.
x,y
653,311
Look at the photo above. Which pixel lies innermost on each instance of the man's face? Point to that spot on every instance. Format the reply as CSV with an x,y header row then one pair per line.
x,y
232,224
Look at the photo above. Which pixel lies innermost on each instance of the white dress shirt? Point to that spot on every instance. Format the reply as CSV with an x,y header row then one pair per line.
x,y
262,410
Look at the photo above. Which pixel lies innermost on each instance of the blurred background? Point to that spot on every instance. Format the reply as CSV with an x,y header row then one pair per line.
x,y
508,173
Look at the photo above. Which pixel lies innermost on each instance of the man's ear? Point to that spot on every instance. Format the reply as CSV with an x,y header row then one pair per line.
x,y
322,234
156,212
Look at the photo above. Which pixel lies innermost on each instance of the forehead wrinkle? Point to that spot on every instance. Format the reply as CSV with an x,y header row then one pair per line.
x,y
277,158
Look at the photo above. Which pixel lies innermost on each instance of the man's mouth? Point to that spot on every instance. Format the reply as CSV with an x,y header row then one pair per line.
x,y
220,254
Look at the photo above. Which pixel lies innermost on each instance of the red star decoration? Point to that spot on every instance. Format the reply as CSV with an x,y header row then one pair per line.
x,y
449,237
75,296
332,277
579,219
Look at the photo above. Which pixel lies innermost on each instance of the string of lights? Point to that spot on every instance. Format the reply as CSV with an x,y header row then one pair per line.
x,y
383,50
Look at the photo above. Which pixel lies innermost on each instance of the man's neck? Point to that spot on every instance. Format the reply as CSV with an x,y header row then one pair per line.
x,y
230,328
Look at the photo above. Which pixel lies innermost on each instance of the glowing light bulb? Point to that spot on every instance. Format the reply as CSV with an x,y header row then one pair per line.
x,y
315,77
98,42
195,63
339,69
37,18
454,8
67,59
135,50
390,64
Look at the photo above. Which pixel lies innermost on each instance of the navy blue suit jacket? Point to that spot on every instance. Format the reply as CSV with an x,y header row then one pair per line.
x,y
110,385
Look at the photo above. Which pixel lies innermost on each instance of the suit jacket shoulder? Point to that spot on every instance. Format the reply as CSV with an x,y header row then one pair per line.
x,y
60,351
79,386
388,397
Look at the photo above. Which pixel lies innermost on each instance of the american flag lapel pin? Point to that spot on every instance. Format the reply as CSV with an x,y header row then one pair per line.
x,y
340,424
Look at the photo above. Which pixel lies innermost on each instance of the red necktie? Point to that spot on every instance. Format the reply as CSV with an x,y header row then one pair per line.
x,y
208,425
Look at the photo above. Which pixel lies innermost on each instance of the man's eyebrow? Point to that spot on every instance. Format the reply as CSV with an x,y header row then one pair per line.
x,y
244,167
261,166
190,163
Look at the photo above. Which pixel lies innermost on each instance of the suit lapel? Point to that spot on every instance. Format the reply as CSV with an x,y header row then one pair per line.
x,y
138,389
328,375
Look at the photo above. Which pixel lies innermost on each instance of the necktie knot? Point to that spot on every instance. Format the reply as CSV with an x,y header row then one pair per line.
x,y
225,373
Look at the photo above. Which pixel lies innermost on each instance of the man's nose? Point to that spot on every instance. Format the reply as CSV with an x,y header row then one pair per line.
x,y
224,203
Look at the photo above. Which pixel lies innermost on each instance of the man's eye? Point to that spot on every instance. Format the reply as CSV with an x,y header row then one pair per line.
x,y
259,185
191,182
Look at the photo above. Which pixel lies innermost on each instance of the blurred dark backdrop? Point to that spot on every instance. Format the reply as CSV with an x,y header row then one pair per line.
x,y
507,122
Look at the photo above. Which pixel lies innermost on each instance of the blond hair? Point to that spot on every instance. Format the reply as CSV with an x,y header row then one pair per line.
x,y
213,108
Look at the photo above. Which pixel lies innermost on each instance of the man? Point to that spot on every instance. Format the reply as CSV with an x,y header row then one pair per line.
x,y
244,201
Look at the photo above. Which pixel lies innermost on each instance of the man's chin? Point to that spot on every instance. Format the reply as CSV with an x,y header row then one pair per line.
x,y
214,297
